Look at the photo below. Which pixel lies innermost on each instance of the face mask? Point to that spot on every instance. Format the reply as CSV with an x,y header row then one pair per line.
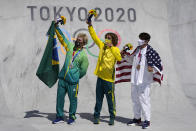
x,y
77,44
141,42
108,41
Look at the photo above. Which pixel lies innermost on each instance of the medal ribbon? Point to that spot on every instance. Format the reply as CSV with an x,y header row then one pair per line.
x,y
71,62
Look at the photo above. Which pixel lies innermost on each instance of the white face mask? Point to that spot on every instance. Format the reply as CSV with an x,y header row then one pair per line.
x,y
141,42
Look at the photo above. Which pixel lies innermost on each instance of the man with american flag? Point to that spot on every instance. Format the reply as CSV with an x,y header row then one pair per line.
x,y
142,67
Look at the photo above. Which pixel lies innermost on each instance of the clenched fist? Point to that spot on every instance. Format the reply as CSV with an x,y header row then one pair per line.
x,y
150,69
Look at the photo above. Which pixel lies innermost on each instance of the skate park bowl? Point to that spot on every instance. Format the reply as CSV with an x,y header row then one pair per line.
x,y
26,103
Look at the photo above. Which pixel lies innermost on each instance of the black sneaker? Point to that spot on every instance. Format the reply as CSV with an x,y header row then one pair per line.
x,y
145,124
111,122
96,121
134,122
58,120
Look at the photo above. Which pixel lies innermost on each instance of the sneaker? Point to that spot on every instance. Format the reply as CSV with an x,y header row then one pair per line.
x,y
145,124
134,122
111,122
58,120
96,121
70,121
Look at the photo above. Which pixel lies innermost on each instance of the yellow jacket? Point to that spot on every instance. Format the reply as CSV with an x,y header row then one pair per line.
x,y
105,68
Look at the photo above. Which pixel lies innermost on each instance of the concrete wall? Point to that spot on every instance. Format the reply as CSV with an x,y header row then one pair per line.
x,y
182,34
24,25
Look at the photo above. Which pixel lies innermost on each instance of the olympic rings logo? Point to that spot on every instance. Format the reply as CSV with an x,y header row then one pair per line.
x,y
90,43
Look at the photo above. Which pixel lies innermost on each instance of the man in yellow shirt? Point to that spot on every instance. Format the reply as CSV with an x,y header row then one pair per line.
x,y
105,71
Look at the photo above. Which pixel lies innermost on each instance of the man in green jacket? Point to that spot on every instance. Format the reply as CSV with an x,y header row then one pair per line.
x,y
74,68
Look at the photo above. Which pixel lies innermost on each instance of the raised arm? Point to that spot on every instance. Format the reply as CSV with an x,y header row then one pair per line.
x,y
94,36
62,39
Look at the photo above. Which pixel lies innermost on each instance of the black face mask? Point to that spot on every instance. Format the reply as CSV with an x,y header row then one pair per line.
x,y
77,44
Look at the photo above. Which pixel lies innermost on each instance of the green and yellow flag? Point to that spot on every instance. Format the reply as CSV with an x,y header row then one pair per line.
x,y
48,69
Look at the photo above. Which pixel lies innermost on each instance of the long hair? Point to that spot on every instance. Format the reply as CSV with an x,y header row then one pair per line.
x,y
114,38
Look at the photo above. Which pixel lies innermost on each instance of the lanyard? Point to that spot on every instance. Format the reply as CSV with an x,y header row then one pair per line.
x,y
71,63
139,56
74,56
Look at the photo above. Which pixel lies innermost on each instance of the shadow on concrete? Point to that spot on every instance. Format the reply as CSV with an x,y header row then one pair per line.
x,y
90,117
87,116
118,119
36,113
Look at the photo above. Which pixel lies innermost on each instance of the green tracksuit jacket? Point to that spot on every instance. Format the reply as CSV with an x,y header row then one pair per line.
x,y
69,76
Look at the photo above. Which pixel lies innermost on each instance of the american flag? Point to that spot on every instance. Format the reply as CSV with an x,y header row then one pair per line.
x,y
123,68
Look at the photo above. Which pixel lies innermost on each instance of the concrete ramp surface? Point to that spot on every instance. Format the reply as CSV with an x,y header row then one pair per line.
x,y
28,104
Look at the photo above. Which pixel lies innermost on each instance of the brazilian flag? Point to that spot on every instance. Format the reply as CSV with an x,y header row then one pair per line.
x,y
48,69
